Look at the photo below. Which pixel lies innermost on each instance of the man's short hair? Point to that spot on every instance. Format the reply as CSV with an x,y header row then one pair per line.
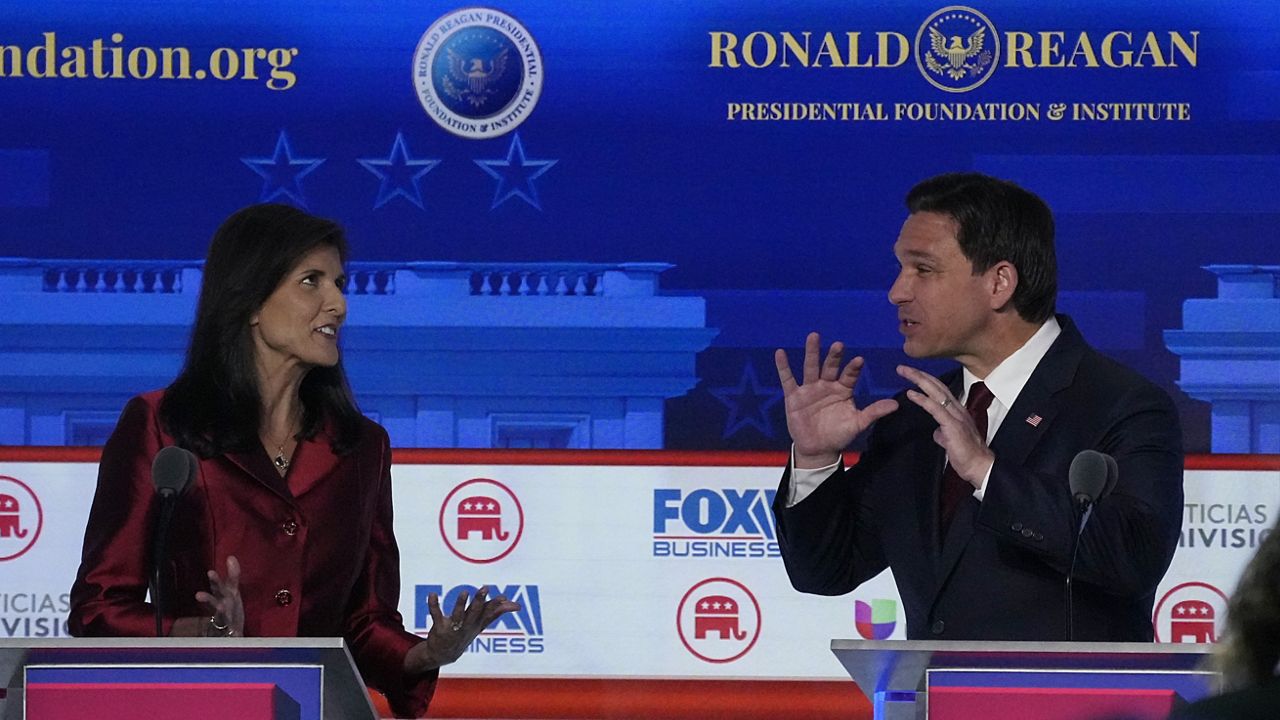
x,y
996,221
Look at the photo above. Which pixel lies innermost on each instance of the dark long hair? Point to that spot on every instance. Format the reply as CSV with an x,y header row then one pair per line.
x,y
215,403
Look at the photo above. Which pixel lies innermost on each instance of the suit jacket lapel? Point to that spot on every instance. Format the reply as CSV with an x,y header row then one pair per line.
x,y
939,466
1017,436
961,529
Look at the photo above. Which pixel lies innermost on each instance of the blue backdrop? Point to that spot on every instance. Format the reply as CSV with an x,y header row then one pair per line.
x,y
636,150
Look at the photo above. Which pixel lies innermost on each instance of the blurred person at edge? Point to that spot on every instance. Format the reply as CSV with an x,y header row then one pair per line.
x,y
1249,654
293,493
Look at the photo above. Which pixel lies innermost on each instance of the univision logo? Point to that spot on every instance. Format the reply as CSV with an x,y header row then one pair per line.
x,y
875,620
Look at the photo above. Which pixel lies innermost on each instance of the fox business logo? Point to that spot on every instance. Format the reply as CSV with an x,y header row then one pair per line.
x,y
714,523
514,633
956,49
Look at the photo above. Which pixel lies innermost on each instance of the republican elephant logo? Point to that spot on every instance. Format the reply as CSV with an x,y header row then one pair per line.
x,y
718,614
11,517
481,520
480,514
1192,621
21,518
1189,613
718,620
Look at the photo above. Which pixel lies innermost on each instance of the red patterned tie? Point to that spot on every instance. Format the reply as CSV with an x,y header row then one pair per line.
x,y
955,489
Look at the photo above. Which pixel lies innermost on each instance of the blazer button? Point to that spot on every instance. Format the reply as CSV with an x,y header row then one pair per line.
x,y
284,597
1037,537
1015,527
1028,532
938,627
290,527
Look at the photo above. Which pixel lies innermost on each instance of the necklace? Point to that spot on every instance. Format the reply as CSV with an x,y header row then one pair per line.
x,y
280,460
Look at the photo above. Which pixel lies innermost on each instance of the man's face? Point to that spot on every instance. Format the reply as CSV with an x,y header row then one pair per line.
x,y
944,310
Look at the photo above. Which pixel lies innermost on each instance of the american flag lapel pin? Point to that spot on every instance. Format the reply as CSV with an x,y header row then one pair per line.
x,y
1034,420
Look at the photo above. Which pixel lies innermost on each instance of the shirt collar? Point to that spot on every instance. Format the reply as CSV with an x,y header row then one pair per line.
x,y
1005,381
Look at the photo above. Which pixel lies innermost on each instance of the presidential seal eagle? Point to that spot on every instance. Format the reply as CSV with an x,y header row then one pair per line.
x,y
957,53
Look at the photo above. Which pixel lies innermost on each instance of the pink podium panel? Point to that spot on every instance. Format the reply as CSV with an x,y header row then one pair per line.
x,y
158,701
988,703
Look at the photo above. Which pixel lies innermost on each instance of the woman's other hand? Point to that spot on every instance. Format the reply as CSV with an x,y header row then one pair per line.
x,y
450,636
226,608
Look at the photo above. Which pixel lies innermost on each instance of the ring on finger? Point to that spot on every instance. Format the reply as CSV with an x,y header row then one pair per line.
x,y
946,402
456,626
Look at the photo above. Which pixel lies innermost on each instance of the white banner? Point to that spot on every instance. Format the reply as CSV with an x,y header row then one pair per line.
x,y
622,571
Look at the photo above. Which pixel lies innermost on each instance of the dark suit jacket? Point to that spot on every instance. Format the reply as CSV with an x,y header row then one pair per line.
x,y
324,537
1000,572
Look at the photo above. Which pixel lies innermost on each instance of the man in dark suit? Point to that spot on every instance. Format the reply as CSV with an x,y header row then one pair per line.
x,y
963,491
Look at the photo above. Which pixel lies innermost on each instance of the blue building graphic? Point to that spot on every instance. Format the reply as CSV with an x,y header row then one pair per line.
x,y
443,354
1230,356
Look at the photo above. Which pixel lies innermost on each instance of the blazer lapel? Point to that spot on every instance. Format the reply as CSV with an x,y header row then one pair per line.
x,y
255,463
313,461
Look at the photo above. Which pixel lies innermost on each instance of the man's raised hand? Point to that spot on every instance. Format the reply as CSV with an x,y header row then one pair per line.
x,y
821,415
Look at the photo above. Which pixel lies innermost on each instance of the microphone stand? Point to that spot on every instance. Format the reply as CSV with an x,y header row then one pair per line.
x,y
1087,504
159,554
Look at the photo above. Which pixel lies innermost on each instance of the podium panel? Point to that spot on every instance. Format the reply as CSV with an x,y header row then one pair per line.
x,y
906,680
159,701
181,678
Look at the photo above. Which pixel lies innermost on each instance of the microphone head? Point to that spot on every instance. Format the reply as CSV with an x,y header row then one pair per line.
x,y
173,469
1113,474
1088,475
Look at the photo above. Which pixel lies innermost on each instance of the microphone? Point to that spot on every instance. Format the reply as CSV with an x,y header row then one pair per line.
x,y
1091,477
172,471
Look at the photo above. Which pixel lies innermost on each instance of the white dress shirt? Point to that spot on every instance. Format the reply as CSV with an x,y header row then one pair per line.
x,y
1005,381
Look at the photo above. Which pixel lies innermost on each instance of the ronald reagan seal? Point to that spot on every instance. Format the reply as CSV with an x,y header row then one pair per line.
x,y
957,49
478,72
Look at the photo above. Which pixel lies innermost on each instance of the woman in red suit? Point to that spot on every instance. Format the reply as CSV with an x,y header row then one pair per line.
x,y
293,480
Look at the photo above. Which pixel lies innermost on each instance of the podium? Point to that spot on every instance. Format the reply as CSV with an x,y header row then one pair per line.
x,y
181,679
909,680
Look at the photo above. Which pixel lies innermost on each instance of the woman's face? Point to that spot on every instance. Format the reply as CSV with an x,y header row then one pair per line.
x,y
298,324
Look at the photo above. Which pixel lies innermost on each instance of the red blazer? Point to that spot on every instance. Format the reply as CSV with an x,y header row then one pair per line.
x,y
316,547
